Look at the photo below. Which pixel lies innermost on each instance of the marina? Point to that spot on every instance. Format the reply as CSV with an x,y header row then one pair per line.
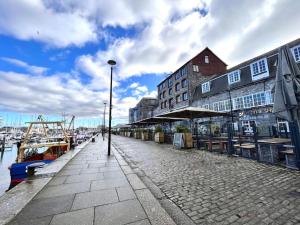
x,y
21,153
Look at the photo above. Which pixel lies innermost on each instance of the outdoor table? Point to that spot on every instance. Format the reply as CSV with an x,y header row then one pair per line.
x,y
209,144
268,149
247,150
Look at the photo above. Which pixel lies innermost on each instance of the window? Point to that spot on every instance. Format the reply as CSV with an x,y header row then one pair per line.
x,y
177,98
234,77
177,87
177,75
164,94
163,85
248,101
165,104
171,103
160,95
259,99
170,82
184,96
227,104
195,68
170,91
283,126
206,59
205,87
206,106
184,83
269,98
183,71
162,105
238,103
247,126
259,69
216,106
296,53
222,106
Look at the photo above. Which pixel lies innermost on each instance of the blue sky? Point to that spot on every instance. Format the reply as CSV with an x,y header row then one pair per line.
x,y
53,54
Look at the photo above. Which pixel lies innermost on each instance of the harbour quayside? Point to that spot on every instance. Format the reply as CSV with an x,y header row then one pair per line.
x,y
43,142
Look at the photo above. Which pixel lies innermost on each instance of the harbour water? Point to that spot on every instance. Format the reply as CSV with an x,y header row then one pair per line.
x,y
6,159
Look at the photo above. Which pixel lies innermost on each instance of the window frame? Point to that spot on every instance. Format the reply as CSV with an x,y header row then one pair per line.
x,y
178,100
183,71
260,74
184,81
177,85
187,97
196,68
231,77
177,75
205,87
296,58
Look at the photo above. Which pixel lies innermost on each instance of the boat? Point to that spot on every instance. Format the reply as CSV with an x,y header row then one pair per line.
x,y
44,142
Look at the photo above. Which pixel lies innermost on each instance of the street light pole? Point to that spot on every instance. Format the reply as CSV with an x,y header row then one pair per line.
x,y
103,128
111,63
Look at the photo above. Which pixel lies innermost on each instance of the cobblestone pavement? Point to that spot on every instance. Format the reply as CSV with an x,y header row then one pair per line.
x,y
215,189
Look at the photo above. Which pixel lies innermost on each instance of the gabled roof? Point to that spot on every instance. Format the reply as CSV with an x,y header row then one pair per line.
x,y
206,48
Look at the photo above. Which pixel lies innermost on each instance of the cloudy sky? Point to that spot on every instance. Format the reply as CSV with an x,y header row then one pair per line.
x,y
53,53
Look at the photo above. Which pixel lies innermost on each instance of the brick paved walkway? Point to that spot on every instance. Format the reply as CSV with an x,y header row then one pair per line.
x,y
215,189
94,189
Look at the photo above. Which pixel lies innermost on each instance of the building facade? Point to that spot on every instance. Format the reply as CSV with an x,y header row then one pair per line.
x,y
247,91
144,109
177,89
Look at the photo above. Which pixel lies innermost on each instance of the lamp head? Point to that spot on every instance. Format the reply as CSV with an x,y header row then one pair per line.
x,y
111,62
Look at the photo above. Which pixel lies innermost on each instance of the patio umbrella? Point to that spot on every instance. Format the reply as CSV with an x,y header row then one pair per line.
x,y
287,96
287,87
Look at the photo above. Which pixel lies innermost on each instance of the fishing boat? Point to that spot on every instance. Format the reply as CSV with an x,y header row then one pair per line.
x,y
44,142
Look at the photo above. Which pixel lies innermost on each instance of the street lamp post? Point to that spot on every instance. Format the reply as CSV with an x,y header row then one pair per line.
x,y
111,63
103,128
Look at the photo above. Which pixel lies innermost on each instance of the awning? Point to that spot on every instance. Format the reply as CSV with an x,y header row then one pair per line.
x,y
193,112
157,120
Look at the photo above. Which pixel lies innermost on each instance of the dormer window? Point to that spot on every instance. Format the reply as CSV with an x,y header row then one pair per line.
x,y
195,68
259,69
206,59
205,87
234,77
296,53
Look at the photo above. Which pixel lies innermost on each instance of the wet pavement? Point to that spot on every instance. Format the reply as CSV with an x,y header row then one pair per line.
x,y
215,189
94,189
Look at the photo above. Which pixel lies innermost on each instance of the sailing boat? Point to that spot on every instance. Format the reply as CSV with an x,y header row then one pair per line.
x,y
39,147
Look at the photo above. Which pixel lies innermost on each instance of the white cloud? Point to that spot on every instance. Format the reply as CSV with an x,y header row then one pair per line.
x,y
32,20
29,68
134,85
234,30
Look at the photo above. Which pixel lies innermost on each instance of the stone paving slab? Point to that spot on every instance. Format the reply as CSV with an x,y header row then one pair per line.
x,y
95,198
125,193
38,221
84,177
142,222
156,214
119,213
46,206
135,182
111,183
80,217
63,189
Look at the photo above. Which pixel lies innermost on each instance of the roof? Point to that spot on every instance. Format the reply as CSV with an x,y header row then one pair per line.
x,y
249,61
206,48
193,112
